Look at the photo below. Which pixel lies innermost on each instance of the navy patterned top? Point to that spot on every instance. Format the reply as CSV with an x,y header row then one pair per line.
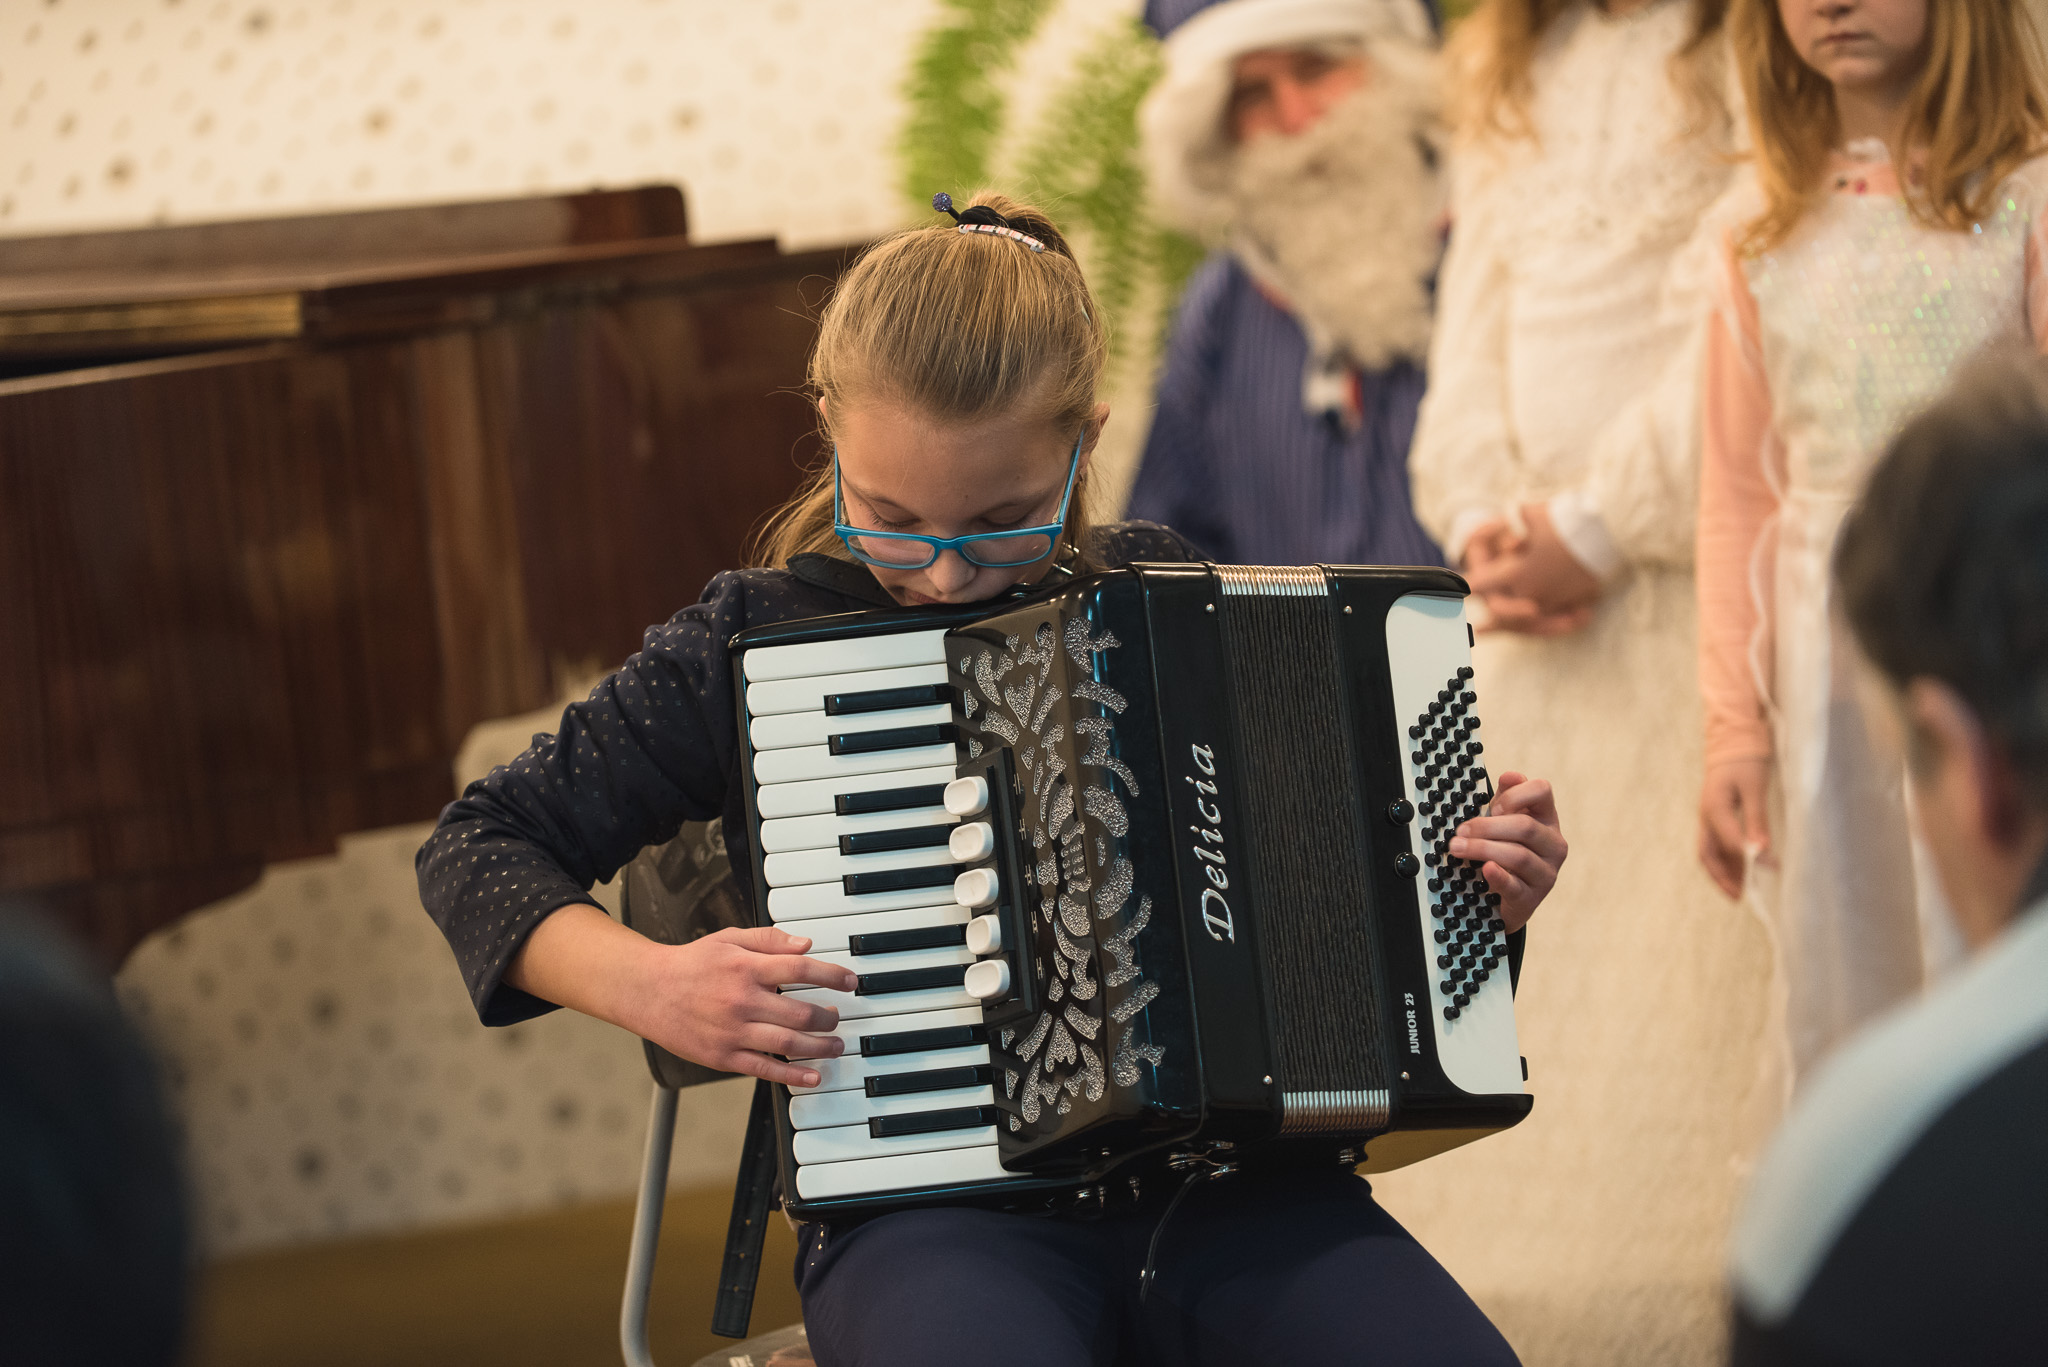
x,y
1235,461
654,745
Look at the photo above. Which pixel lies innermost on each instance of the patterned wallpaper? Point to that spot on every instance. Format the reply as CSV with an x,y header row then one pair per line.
x,y
777,115
333,1078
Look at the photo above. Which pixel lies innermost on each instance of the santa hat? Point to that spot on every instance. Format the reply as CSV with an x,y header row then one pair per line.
x,y
1180,124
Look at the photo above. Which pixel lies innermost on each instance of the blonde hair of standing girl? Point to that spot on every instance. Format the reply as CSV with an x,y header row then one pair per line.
x,y
1494,53
1973,114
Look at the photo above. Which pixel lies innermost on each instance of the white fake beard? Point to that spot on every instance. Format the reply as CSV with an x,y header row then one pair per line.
x,y
1343,219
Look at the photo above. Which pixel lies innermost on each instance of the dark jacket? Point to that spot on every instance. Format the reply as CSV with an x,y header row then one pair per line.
x,y
653,746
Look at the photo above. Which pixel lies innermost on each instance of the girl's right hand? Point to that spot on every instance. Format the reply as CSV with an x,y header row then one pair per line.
x,y
713,1001
1733,827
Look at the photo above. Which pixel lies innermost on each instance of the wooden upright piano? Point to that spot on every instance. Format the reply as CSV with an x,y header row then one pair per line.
x,y
287,506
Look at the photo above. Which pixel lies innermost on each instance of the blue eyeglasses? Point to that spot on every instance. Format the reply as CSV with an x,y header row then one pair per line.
x,y
992,550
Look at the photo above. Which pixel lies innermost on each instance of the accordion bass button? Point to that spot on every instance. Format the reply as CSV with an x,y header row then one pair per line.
x,y
988,979
985,935
976,888
967,796
972,842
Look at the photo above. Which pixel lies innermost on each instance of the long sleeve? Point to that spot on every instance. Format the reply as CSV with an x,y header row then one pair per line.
x,y
1639,499
652,746
1463,466
1176,483
1736,503
2037,284
1644,479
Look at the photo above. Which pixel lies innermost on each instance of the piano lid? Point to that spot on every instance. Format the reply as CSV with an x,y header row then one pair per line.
x,y
152,291
258,594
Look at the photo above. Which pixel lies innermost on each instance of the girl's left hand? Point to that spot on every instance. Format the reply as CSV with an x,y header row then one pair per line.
x,y
1519,843
1533,583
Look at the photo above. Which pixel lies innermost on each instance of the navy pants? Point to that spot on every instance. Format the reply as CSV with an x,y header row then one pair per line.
x,y
1285,1267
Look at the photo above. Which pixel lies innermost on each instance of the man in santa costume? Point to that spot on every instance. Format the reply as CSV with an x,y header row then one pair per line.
x,y
1299,139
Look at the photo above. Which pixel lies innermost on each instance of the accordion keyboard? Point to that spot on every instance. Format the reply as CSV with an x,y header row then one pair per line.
x,y
854,745
1429,653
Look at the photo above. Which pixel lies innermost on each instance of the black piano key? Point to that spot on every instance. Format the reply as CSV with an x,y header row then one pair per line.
x,y
929,1122
890,799
930,1080
886,699
917,1041
895,941
895,738
903,838
909,980
900,880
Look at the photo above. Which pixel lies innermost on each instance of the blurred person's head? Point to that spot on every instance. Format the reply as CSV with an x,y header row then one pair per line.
x,y
1943,567
93,1220
1302,135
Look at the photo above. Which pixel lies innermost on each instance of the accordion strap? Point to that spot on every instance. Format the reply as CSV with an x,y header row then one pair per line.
x,y
753,1195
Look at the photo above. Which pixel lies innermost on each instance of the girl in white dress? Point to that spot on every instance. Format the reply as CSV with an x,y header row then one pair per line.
x,y
1557,462
1849,295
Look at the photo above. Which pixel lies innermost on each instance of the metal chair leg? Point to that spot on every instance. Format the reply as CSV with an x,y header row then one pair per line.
x,y
661,1134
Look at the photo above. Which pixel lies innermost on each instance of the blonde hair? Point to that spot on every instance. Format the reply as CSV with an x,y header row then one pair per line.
x,y
958,327
1492,52
1976,113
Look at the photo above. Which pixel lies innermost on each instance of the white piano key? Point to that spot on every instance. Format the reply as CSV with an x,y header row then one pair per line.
x,y
822,832
853,1070
907,1020
809,694
853,1006
807,900
801,762
839,1143
813,797
819,1181
892,651
901,959
828,934
822,866
822,1110
817,728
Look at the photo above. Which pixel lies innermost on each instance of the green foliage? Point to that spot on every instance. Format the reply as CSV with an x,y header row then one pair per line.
x,y
1454,10
1082,161
956,106
1079,160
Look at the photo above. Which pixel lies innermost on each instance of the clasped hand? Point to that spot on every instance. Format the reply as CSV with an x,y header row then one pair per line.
x,y
1529,580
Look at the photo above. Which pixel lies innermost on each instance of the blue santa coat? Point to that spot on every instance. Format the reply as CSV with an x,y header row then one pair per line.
x,y
1235,463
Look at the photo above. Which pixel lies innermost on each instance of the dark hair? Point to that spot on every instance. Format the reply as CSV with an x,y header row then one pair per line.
x,y
93,1260
1943,563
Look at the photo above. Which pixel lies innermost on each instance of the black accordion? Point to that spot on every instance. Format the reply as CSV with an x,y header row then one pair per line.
x,y
1150,864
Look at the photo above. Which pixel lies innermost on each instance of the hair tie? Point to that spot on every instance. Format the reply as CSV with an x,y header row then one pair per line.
x,y
980,218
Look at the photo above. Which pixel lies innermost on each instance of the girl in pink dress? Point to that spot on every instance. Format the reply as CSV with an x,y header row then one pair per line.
x,y
1848,301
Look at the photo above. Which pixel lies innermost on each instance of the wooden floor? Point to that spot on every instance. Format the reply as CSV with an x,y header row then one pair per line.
x,y
543,1290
